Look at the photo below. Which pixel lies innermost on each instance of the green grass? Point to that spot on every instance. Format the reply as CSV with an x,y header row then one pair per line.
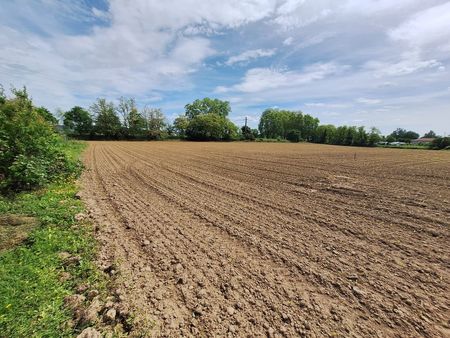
x,y
31,293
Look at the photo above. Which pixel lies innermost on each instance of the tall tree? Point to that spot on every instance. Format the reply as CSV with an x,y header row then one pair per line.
x,y
77,122
180,125
430,134
137,124
107,123
279,123
374,137
155,122
124,108
207,106
403,135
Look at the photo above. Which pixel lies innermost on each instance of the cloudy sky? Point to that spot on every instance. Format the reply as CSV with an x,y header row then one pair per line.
x,y
377,63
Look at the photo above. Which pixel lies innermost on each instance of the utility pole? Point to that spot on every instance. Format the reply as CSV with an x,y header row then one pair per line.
x,y
246,121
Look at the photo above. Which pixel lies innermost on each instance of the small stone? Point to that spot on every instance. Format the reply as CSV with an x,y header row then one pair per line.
x,y
357,292
146,242
91,313
353,277
202,293
303,303
89,332
110,315
230,310
285,317
270,332
158,295
232,328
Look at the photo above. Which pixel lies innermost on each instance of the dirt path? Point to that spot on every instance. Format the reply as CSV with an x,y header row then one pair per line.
x,y
247,240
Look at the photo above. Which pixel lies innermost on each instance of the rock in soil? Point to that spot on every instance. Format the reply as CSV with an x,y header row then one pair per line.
x,y
110,315
89,332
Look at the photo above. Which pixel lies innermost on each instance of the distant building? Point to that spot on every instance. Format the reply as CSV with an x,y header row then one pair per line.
x,y
422,140
397,143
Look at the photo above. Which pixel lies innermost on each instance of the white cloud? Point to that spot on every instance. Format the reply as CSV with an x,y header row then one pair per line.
x,y
249,55
142,47
368,101
410,62
299,13
326,105
261,79
430,26
288,41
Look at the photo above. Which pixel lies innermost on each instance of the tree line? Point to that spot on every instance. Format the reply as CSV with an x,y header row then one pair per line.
x,y
207,120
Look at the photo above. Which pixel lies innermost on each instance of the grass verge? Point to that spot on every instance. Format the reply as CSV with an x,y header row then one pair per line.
x,y
33,278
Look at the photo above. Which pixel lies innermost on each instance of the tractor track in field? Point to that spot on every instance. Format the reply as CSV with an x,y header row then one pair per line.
x,y
249,240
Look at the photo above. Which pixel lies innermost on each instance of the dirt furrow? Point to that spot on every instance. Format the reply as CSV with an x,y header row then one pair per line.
x,y
269,239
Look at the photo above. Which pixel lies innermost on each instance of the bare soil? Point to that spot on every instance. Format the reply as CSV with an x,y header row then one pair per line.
x,y
259,239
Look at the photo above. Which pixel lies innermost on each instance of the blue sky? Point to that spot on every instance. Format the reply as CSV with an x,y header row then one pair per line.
x,y
376,63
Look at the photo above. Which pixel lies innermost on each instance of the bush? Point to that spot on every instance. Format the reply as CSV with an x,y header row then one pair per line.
x,y
440,143
247,134
32,153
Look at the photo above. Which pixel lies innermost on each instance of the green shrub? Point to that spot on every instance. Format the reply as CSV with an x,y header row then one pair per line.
x,y
440,143
31,152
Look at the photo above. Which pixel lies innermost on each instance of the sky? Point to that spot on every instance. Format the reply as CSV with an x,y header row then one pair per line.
x,y
379,63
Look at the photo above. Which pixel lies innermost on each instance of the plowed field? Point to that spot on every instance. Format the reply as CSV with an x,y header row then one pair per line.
x,y
256,239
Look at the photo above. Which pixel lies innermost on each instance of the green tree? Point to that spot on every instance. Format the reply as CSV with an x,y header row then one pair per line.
x,y
207,106
403,135
78,122
247,133
293,135
430,134
155,122
360,137
440,143
374,137
137,124
310,124
45,113
277,123
211,127
180,125
125,107
107,123
324,134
